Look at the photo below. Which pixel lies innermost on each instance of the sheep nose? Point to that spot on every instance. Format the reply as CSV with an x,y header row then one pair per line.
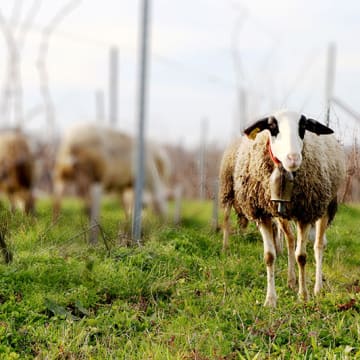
x,y
294,158
293,161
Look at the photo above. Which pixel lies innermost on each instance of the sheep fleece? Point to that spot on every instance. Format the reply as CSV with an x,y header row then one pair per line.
x,y
316,182
16,162
227,167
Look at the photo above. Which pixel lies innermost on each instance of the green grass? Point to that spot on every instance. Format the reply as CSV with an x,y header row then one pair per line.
x,y
176,297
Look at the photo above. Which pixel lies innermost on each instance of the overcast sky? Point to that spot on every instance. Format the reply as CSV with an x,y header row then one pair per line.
x,y
280,46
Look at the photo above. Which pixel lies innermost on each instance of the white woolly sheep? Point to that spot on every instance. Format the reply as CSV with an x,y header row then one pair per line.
x,y
16,170
288,141
90,154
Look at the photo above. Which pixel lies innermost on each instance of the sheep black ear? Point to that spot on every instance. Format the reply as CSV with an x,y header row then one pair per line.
x,y
317,128
260,125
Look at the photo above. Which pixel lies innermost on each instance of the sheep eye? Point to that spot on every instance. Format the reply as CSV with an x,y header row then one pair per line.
x,y
302,126
273,126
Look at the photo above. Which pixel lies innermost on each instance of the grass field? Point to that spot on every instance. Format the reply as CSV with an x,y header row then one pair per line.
x,y
176,297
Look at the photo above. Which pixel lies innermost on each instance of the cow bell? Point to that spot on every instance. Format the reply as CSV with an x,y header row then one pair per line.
x,y
281,186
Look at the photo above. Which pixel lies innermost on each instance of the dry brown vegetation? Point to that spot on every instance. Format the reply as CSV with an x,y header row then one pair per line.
x,y
185,170
351,190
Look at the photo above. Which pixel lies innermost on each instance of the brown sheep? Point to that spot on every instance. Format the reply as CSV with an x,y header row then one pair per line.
x,y
16,170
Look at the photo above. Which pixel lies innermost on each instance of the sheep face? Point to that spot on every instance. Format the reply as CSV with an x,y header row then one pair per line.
x,y
286,133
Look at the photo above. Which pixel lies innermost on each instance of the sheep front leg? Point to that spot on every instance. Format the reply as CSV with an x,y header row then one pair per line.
x,y
95,199
226,227
59,190
265,227
126,197
29,202
290,240
300,253
319,244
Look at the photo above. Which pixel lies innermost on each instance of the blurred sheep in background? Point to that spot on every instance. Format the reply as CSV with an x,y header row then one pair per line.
x,y
89,154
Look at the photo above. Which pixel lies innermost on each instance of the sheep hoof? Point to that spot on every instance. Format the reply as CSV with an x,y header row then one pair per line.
x,y
270,301
303,296
292,283
225,249
317,289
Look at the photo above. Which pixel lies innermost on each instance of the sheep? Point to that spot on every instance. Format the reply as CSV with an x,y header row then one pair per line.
x,y
288,142
17,170
90,154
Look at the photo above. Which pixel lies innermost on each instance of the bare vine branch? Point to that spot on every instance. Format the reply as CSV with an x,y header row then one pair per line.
x,y
8,88
42,61
15,34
